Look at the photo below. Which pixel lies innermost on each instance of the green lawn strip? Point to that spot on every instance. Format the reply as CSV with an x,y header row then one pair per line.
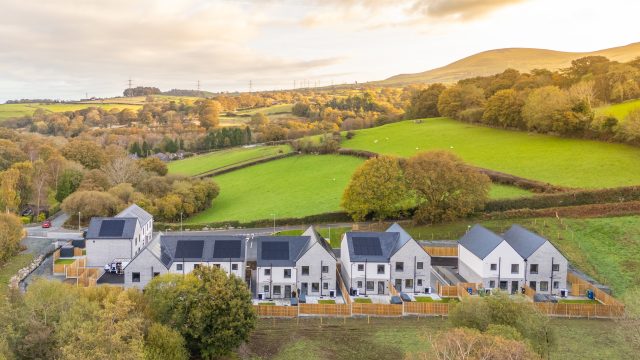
x,y
441,300
619,111
204,163
267,303
577,301
336,234
533,156
362,300
11,267
291,187
326,301
64,261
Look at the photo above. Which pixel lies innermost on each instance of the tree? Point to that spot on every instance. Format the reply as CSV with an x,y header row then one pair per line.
x,y
10,235
545,109
41,183
94,180
163,342
504,109
259,119
454,100
123,170
10,153
445,187
630,128
153,165
69,182
86,152
212,311
423,103
9,195
377,187
90,203
209,112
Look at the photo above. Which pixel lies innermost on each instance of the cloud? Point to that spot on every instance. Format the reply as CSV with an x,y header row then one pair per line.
x,y
460,9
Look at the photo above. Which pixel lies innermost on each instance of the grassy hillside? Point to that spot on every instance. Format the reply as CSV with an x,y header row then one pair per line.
x,y
8,111
619,111
292,187
403,338
534,156
219,159
495,61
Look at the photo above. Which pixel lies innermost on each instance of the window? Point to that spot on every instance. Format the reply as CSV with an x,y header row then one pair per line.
x,y
325,269
515,268
267,272
277,289
266,288
359,284
179,267
532,284
408,283
504,285
544,286
492,284
315,287
216,265
196,266
287,273
399,266
325,286
369,285
533,268
419,265
380,269
234,266
305,270
419,282
156,274
494,267
555,267
135,277
360,267
556,284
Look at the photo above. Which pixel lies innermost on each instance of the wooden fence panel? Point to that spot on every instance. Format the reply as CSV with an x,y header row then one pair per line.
x,y
376,309
441,250
418,308
276,311
581,310
325,309
343,288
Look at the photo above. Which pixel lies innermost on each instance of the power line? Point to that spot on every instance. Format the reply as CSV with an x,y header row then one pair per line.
x,y
198,85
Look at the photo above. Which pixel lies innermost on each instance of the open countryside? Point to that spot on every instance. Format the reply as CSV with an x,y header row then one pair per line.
x,y
10,111
533,156
619,111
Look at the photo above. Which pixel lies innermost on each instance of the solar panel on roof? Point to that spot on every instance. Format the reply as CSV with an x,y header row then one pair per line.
x,y
111,228
275,250
367,246
223,249
191,249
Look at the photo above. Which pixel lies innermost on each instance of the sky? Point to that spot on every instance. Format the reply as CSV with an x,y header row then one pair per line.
x,y
66,49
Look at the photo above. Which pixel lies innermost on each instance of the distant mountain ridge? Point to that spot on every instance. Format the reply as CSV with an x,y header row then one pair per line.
x,y
495,61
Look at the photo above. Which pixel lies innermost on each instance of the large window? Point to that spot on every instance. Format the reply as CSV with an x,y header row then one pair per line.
x,y
135,277
315,287
419,282
370,285
399,266
234,266
544,286
359,284
195,266
380,269
533,268
515,268
277,290
492,284
287,273
266,288
408,283
325,286
532,284
305,270
556,284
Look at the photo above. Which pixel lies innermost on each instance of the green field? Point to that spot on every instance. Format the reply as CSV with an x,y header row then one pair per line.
x,y
292,187
619,111
8,111
404,338
499,191
10,268
334,235
219,159
560,161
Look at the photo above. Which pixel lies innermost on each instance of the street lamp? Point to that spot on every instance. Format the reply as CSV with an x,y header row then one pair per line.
x,y
78,220
274,223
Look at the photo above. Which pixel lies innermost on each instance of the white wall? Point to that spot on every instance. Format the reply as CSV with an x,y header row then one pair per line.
x,y
470,266
543,257
503,256
276,278
409,254
103,251
189,266
314,258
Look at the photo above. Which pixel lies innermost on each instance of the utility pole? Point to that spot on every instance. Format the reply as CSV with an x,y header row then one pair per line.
x,y
78,220
250,86
198,85
294,84
129,82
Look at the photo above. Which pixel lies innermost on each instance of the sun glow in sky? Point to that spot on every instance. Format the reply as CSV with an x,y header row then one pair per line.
x,y
62,49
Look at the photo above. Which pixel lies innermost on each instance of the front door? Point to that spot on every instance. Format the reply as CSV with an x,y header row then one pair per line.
x,y
305,288
287,291
398,285
514,287
532,284
380,287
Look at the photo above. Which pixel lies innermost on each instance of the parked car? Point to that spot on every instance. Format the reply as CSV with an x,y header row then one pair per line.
x,y
26,212
46,224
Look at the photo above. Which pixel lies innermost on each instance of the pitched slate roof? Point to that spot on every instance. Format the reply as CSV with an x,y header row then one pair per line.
x,y
523,241
198,248
316,238
111,228
136,212
280,250
402,240
371,246
480,241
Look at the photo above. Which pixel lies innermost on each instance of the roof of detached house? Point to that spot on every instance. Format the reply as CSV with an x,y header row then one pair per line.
x,y
112,228
480,241
376,246
136,212
523,241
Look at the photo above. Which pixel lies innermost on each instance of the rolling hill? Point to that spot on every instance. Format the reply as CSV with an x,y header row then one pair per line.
x,y
495,61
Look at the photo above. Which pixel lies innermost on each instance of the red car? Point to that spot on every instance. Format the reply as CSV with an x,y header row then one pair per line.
x,y
46,224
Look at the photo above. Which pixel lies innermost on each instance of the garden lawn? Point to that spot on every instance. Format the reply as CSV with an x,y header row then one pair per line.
x,y
560,161
326,301
360,300
292,187
204,163
65,261
619,111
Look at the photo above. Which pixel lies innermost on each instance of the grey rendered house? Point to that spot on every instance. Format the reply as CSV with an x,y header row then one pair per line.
x,y
181,254
119,237
545,266
289,265
372,260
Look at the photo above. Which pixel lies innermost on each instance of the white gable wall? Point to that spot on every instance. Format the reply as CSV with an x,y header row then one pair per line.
x,y
410,255
314,258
